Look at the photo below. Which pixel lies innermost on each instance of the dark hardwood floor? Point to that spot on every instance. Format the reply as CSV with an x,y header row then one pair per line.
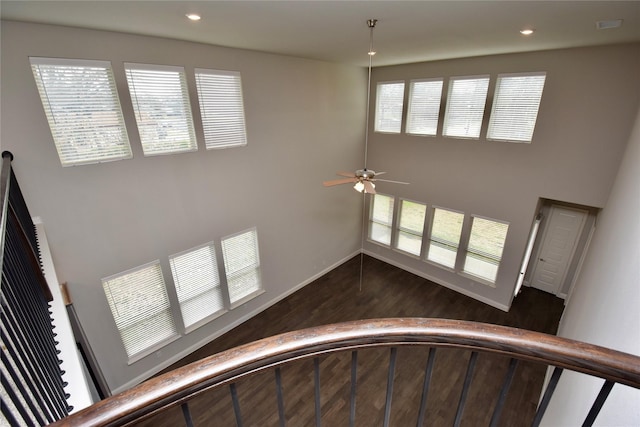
x,y
387,291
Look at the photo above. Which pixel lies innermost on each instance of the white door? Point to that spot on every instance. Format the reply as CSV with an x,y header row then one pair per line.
x,y
558,247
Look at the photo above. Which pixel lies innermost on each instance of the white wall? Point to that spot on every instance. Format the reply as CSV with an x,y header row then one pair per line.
x,y
588,107
604,308
305,120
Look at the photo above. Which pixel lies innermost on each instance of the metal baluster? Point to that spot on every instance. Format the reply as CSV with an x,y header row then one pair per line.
x,y
513,363
236,404
354,378
390,375
316,378
186,414
597,405
18,381
425,387
555,377
465,388
16,402
279,396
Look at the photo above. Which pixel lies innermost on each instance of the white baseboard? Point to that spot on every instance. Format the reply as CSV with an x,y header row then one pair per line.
x,y
441,282
165,364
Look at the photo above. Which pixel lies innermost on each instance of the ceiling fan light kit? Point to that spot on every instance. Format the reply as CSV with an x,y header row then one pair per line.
x,y
363,178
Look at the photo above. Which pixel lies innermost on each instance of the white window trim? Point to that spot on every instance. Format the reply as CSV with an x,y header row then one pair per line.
x,y
255,293
391,225
396,228
402,112
409,107
471,276
446,111
428,240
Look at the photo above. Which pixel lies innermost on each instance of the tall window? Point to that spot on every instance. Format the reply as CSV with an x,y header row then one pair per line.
x,y
242,265
465,106
221,108
381,219
444,239
484,251
140,307
410,227
197,283
160,100
82,107
389,104
424,106
515,107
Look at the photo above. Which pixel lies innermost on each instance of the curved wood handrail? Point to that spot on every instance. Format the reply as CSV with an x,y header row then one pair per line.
x,y
228,366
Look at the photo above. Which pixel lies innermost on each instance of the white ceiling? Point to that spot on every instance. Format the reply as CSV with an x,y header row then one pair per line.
x,y
407,31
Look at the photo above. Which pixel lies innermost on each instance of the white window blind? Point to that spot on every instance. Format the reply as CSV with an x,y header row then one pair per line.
x,y
82,107
197,283
465,106
160,100
444,239
140,307
410,227
381,219
424,106
515,107
484,250
242,265
389,104
221,108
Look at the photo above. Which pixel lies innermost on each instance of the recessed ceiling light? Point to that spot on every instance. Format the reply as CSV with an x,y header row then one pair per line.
x,y
611,23
193,16
527,31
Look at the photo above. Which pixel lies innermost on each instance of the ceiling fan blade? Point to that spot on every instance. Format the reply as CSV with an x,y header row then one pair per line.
x,y
347,174
388,180
380,173
339,181
369,187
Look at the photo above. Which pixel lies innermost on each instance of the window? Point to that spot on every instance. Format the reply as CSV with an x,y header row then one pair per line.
x,y
515,107
389,103
446,229
140,308
242,265
484,250
197,283
465,106
381,218
410,227
161,104
82,107
424,106
221,107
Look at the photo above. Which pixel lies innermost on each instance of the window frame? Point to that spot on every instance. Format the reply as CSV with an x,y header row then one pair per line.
x,y
471,275
411,106
140,354
153,147
430,239
477,121
372,220
59,132
245,270
377,115
398,229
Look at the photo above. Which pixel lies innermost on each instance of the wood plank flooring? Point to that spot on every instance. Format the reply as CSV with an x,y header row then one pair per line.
x,y
387,291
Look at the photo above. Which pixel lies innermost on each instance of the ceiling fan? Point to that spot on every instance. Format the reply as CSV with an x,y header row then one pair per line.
x,y
363,178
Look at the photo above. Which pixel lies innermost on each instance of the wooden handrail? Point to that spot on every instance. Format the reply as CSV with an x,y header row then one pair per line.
x,y
226,367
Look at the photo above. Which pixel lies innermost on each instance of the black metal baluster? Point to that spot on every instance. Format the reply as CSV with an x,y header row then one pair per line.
x,y
513,363
597,405
280,398
316,381
390,375
354,379
186,414
236,404
551,387
16,401
425,387
18,381
465,388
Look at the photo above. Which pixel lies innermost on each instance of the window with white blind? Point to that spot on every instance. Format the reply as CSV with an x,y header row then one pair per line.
x,y
424,106
381,219
389,105
160,100
221,108
465,106
242,265
82,107
197,284
515,106
140,307
484,250
410,227
444,238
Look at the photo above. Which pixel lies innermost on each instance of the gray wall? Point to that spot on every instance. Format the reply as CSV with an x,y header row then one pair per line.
x,y
586,114
603,308
305,120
